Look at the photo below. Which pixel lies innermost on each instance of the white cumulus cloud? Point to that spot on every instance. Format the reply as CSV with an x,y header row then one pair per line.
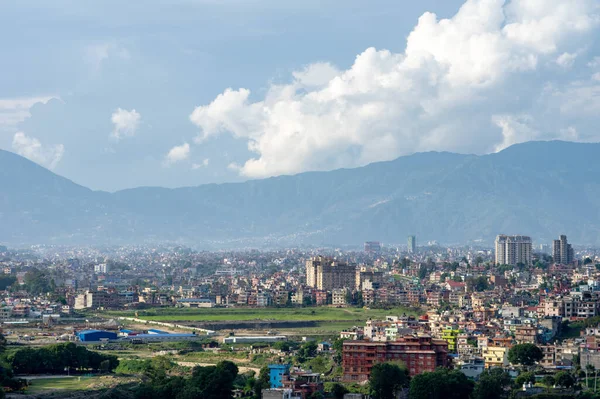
x,y
15,110
202,164
31,148
125,123
460,85
177,154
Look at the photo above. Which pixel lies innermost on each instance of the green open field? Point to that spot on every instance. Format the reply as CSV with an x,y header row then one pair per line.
x,y
61,384
324,314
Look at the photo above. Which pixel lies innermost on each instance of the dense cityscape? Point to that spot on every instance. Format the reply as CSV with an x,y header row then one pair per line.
x,y
300,199
319,322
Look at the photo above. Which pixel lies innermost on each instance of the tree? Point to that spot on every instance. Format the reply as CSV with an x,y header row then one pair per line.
x,y
386,379
2,343
349,297
307,300
422,272
525,377
262,382
548,381
7,281
338,391
360,302
37,282
283,346
309,349
587,261
564,379
440,384
492,384
338,347
525,354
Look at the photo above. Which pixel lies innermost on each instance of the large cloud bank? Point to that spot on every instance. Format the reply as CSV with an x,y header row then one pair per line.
x,y
495,74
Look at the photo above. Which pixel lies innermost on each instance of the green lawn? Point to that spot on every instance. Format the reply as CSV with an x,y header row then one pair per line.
x,y
60,384
278,314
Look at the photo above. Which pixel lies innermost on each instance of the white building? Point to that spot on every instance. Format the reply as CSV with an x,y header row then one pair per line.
x,y
512,250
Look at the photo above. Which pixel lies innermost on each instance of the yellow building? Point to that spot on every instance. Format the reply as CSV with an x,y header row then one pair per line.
x,y
495,356
450,335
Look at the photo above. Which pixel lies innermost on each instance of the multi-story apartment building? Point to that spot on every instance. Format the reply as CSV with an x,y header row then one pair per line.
x,y
549,359
338,296
94,300
525,334
420,353
327,273
363,275
562,251
495,356
512,250
450,335
263,299
581,305
321,297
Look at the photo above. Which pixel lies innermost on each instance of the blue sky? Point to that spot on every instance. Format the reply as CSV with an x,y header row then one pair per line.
x,y
117,94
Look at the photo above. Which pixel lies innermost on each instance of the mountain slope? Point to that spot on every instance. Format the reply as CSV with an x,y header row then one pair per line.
x,y
539,188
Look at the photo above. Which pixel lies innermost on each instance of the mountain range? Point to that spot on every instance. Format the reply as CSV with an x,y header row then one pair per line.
x,y
541,189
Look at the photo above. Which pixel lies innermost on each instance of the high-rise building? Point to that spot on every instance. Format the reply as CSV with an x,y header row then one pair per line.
x,y
562,252
372,246
412,244
512,250
328,273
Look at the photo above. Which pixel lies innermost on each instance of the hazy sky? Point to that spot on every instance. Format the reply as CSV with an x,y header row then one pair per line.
x,y
117,94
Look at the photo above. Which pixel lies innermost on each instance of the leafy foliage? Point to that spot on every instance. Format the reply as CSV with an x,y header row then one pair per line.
x,y
492,384
55,358
38,282
525,354
386,379
523,378
212,382
440,384
478,284
307,350
7,281
564,379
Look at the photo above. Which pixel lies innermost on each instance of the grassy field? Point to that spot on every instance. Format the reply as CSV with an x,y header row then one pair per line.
x,y
61,384
324,314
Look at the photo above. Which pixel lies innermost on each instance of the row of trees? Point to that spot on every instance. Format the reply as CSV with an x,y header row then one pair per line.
x,y
57,358
212,382
387,379
163,378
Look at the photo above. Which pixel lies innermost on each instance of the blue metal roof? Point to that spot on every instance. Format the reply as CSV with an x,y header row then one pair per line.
x,y
163,335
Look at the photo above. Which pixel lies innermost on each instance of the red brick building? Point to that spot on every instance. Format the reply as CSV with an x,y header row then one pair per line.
x,y
420,353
